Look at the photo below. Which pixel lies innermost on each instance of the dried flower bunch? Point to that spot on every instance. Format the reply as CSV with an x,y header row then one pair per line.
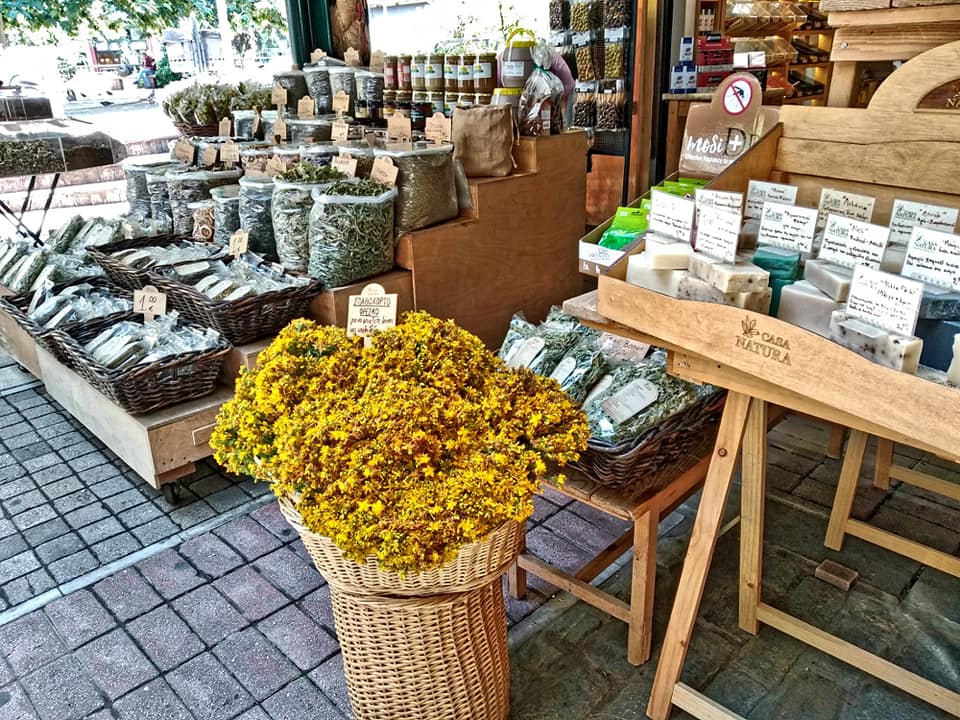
x,y
405,450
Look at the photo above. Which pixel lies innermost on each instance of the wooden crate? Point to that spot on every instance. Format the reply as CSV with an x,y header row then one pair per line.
x,y
330,307
19,344
889,150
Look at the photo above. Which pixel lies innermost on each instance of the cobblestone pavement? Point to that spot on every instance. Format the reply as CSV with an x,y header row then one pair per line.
x,y
211,610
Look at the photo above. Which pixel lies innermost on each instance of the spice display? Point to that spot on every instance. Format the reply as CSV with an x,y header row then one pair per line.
x,y
127,344
251,95
189,186
342,79
318,153
541,109
559,14
226,212
203,220
616,13
160,209
255,214
243,277
426,184
374,88
614,58
201,104
309,130
584,49
157,256
539,348
351,232
254,158
443,478
30,157
292,201
295,83
76,303
318,85
585,106
611,109
359,151
584,15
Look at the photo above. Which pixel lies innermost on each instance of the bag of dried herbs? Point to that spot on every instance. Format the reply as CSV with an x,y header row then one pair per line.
x,y
539,347
319,153
189,186
160,208
292,202
135,172
256,214
318,84
580,369
351,232
309,130
361,152
426,184
226,212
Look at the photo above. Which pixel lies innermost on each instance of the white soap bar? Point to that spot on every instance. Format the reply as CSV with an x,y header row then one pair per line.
x,y
953,372
893,259
749,234
742,277
640,273
692,288
834,280
898,352
801,304
667,255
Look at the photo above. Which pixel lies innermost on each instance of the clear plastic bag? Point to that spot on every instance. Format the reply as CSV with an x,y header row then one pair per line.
x,y
616,13
318,84
584,15
243,123
135,173
559,14
185,187
585,105
361,152
611,106
309,130
615,53
160,208
226,212
295,83
351,232
584,51
426,184
255,213
342,80
203,220
77,303
541,102
292,203
319,154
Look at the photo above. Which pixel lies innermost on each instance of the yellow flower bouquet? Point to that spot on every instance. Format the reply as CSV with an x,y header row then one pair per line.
x,y
405,450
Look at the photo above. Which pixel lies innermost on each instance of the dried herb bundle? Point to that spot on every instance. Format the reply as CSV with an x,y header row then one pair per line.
x,y
292,202
426,183
256,214
226,212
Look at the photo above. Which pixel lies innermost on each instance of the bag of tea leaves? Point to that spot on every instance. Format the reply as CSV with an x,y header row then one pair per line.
x,y
539,348
255,213
226,212
351,232
190,186
291,205
580,369
135,171
426,185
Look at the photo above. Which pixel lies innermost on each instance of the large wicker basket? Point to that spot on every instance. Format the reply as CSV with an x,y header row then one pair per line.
x,y
131,278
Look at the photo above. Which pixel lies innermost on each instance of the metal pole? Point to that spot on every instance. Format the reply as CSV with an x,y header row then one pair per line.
x,y
226,34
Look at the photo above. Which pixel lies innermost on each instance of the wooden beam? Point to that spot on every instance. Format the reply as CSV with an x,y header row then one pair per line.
x,y
584,591
699,705
602,561
644,80
882,463
643,583
752,493
895,16
890,42
908,548
927,482
846,488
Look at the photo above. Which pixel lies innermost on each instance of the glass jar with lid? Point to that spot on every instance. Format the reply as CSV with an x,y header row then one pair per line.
x,y
483,99
433,73
404,72
417,79
465,72
390,72
449,103
389,103
516,63
485,72
436,100
404,102
420,109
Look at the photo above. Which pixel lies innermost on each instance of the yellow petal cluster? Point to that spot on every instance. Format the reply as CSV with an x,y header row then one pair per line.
x,y
405,450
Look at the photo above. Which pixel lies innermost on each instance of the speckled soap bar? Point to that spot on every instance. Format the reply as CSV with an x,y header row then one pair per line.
x,y
801,304
898,352
741,277
691,288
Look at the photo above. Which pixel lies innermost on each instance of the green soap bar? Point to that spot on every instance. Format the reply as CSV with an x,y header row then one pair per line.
x,y
777,285
779,262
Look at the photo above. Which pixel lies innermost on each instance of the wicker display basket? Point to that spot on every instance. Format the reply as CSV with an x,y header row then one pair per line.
x,y
239,321
131,278
189,130
143,388
636,463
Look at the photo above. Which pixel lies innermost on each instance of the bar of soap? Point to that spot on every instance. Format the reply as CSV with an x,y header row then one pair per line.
x,y
898,352
741,277
779,262
667,255
777,286
829,278
937,305
749,234
691,288
893,259
801,304
953,373
640,273
938,339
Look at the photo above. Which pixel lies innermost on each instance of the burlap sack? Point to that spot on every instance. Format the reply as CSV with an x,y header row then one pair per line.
x,y
483,137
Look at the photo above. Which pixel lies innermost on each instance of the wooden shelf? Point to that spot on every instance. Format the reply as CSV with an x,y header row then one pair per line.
x,y
821,31
804,98
801,66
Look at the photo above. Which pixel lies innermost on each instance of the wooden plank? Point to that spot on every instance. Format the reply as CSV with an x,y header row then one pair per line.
x,y
903,546
602,561
890,42
844,88
644,97
898,15
244,356
643,580
905,88
837,435
703,540
883,461
919,166
584,591
604,188
866,127
757,163
174,444
752,495
920,687
927,482
19,344
330,307
921,3
832,6
699,705
846,489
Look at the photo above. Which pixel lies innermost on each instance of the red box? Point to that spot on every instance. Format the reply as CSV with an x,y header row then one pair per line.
x,y
710,78
714,56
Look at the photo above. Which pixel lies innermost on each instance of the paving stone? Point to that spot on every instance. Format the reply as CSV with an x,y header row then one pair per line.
x,y
318,607
556,550
33,517
79,617
115,486
24,501
332,682
802,688
20,564
14,545
736,691
140,515
914,528
28,586
154,701
227,499
875,700
248,538
208,485
251,593
256,663
58,426
14,481
301,699
61,691
169,574
865,502
15,429
272,519
115,663
932,652
60,488
86,462
289,572
192,514
165,638
100,530
6,674
934,592
155,531
124,500
578,531
41,461
92,476
73,566
28,642
210,555
51,474
924,509
254,713
298,637
59,547
209,614
126,594
74,501
86,515
71,445
208,690
115,548
28,449
14,704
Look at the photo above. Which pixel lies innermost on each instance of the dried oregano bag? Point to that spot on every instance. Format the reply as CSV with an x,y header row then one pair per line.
x,y
426,184
538,347
226,212
256,214
135,172
292,202
189,186
580,369
351,232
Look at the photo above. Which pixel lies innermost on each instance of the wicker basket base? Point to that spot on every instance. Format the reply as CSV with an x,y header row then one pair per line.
x,y
425,658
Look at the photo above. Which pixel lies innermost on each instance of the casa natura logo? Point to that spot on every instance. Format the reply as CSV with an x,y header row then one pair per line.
x,y
767,345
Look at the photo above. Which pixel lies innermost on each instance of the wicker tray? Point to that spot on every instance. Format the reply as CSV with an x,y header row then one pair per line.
x,y
131,278
189,130
239,321
636,463
142,389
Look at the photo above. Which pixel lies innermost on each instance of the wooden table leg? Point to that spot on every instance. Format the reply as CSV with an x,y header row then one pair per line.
x,y
693,577
517,577
642,585
752,493
846,488
882,464
835,447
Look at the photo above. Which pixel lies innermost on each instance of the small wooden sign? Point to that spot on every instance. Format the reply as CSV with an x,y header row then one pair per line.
x,y
317,55
345,164
275,166
229,153
239,242
209,156
351,57
438,128
183,151
150,302
340,131
373,309
399,128
341,102
280,129
377,61
384,172
278,96
225,127
306,107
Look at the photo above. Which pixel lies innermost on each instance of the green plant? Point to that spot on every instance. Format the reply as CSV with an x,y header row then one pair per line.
x,y
164,75
66,69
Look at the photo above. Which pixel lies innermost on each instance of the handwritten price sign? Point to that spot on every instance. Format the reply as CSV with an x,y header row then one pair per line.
x,y
150,302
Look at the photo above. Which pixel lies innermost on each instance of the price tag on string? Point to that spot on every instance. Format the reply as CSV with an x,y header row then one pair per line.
x,y
399,128
275,166
341,102
278,96
306,107
209,156
150,302
438,128
229,153
280,129
183,151
345,164
384,172
225,127
340,132
317,55
351,57
239,243
373,309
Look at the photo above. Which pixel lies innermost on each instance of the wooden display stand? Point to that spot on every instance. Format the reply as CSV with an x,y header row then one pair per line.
x,y
516,250
888,150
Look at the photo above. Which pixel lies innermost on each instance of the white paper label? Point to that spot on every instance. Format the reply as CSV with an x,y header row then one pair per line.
x,y
483,71
837,202
416,70
432,72
614,34
718,233
885,300
759,192
373,309
787,226
851,242
525,352
728,201
564,370
513,69
907,215
628,401
671,216
605,382
933,257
